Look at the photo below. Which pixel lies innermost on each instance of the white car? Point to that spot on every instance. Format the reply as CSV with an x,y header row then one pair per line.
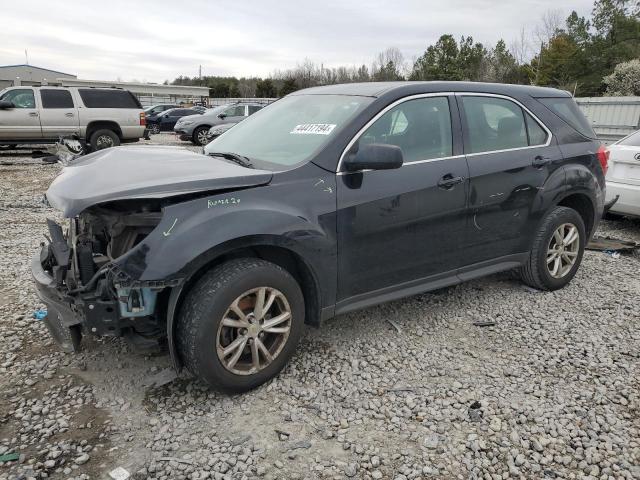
x,y
623,176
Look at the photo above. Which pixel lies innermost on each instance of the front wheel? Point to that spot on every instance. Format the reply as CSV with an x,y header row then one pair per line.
x,y
155,128
557,250
201,136
240,323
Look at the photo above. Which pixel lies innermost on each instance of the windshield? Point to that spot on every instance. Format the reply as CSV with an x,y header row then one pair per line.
x,y
288,132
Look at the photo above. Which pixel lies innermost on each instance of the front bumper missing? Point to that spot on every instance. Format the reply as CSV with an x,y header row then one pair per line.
x,y
61,320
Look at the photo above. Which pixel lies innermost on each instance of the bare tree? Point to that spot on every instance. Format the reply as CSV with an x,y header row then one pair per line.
x,y
550,22
520,48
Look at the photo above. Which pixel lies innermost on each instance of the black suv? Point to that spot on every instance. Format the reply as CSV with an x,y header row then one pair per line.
x,y
329,200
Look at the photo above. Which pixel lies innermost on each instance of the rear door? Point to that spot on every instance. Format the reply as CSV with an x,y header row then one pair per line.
x,y
23,121
401,228
511,154
58,114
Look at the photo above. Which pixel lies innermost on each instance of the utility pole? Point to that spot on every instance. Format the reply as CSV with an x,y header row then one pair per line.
x,y
26,56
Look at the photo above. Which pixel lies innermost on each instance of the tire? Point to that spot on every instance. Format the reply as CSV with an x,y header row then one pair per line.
x,y
535,271
201,336
200,136
155,128
101,139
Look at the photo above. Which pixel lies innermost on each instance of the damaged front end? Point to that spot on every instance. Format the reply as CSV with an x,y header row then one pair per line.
x,y
79,277
93,274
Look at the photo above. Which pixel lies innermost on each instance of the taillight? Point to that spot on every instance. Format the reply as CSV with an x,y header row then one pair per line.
x,y
603,158
143,119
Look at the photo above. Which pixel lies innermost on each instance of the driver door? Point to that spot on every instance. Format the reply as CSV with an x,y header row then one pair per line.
x,y
235,114
23,121
401,229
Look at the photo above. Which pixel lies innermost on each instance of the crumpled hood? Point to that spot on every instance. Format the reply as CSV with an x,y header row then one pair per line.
x,y
131,172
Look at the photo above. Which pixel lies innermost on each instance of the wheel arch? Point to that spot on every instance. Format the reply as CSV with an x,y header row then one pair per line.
x,y
249,247
581,203
96,125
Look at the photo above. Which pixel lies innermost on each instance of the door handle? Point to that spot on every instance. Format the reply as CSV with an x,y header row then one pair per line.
x,y
69,114
449,181
33,114
540,161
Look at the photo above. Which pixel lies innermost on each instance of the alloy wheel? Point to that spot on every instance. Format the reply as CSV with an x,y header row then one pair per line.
x,y
253,330
563,250
104,141
203,137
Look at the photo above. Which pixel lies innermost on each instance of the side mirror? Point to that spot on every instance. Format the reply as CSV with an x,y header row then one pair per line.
x,y
6,105
222,116
374,156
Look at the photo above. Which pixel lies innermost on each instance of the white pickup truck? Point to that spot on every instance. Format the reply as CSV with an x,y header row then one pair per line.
x,y
102,117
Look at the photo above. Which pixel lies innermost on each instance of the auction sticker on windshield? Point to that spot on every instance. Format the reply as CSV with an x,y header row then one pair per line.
x,y
313,129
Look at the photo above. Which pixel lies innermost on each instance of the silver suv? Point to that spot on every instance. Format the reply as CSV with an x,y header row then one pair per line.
x,y
195,128
103,117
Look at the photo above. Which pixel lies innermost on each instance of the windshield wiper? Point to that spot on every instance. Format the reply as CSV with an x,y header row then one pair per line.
x,y
234,157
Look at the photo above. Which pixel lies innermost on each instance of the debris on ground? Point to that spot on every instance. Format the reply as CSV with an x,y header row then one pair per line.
x,y
484,323
9,457
40,314
394,325
610,245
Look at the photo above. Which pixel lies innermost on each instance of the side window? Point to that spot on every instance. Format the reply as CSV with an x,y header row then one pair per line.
x,y
420,127
96,98
537,135
56,99
493,124
254,108
235,111
21,98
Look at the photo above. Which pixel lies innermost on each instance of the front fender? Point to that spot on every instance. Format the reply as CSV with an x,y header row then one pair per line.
x,y
296,211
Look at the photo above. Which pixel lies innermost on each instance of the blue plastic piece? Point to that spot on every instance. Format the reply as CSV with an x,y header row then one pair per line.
x,y
40,314
140,302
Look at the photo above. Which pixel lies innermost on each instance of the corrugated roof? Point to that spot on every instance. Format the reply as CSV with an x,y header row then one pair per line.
x,y
39,68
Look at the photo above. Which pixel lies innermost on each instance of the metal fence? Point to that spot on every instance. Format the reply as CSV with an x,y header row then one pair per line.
x,y
612,117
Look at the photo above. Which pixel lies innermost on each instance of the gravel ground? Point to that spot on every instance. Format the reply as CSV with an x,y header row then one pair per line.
x,y
409,389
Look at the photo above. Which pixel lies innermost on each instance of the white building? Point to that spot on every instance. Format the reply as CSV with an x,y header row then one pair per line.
x,y
147,93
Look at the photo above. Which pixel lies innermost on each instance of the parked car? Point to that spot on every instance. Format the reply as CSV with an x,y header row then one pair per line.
x,y
195,129
623,176
199,108
330,200
102,117
218,130
156,109
165,121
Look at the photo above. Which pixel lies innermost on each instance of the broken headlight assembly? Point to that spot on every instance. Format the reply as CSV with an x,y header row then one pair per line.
x,y
94,291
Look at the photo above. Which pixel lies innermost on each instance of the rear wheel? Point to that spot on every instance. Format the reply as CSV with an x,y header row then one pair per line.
x,y
201,135
102,139
557,250
155,128
240,323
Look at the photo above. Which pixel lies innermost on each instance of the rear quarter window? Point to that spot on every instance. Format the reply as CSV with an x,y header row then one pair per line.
x,y
108,98
632,140
567,109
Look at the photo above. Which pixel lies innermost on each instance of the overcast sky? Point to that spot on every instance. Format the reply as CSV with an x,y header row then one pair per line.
x,y
157,40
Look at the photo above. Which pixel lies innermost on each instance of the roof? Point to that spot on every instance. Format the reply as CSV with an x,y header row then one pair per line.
x,y
39,68
377,89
